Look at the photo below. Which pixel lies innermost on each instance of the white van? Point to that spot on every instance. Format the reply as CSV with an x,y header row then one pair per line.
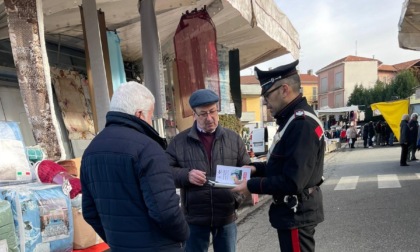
x,y
261,139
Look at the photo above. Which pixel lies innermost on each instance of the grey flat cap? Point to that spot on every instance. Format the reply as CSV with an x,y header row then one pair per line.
x,y
203,97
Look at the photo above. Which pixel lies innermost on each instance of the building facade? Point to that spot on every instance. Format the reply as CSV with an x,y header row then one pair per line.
x,y
252,105
255,113
338,79
309,85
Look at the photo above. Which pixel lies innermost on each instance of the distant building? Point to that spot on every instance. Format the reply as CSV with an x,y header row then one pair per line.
x,y
252,111
309,87
386,73
338,79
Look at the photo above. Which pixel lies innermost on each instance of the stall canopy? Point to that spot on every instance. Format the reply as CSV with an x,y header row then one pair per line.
x,y
392,113
337,111
256,27
409,25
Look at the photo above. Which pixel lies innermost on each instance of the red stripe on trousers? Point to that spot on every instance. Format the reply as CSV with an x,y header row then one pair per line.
x,y
295,240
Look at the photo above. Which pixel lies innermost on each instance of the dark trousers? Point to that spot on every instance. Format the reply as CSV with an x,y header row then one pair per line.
x,y
365,142
353,141
412,152
297,240
404,152
224,238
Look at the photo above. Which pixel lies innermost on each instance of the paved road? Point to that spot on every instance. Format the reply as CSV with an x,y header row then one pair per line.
x,y
371,204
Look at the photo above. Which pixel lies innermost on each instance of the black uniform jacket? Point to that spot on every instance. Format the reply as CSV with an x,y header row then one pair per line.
x,y
295,164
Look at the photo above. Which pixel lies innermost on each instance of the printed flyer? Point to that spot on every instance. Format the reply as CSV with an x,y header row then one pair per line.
x,y
225,175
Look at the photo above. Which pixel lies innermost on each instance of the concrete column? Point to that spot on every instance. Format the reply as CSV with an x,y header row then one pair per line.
x,y
152,61
99,79
26,32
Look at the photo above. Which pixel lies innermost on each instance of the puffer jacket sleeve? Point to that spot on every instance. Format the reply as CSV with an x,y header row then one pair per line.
x,y
159,193
90,214
180,174
243,157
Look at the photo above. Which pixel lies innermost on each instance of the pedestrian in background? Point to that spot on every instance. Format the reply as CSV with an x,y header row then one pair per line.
x,y
404,139
194,155
371,130
378,126
390,135
129,195
343,135
351,135
413,124
293,171
365,135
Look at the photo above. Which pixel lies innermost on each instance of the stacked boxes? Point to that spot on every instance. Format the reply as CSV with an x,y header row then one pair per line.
x,y
8,240
42,217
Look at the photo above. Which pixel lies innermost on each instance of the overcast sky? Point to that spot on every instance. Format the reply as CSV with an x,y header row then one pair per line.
x,y
328,31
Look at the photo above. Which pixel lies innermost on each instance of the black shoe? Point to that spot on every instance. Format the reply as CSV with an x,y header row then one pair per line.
x,y
404,165
414,159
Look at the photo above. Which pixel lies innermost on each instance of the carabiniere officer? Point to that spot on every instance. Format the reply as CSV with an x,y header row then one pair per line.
x,y
293,171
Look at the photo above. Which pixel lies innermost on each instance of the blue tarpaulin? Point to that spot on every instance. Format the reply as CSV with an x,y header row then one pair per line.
x,y
116,60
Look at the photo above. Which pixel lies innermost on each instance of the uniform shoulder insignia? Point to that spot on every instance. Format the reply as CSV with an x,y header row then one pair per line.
x,y
300,113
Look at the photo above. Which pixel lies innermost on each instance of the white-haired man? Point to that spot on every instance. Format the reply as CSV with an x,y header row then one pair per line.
x,y
129,195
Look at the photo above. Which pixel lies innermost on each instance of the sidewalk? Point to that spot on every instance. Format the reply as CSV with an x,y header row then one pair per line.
x,y
359,144
248,207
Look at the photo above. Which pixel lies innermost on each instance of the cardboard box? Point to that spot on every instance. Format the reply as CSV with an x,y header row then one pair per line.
x,y
84,235
72,166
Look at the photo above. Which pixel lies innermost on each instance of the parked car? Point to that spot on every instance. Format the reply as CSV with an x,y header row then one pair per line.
x,y
261,139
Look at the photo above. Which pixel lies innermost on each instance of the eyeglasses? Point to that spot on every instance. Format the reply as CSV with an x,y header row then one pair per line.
x,y
267,94
205,114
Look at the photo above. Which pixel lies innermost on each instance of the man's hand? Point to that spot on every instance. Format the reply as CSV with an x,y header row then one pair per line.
x,y
241,187
253,169
197,177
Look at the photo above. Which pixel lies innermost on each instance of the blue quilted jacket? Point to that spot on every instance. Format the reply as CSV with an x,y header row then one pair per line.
x,y
128,191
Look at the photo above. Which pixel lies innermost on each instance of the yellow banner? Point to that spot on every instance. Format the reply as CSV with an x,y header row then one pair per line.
x,y
392,112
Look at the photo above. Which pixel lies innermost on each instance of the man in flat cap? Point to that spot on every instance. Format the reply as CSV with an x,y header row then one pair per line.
x,y
194,155
293,171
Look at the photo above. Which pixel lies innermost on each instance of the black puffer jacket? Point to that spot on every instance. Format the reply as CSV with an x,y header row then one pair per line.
x,y
129,195
404,132
206,205
295,164
413,126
